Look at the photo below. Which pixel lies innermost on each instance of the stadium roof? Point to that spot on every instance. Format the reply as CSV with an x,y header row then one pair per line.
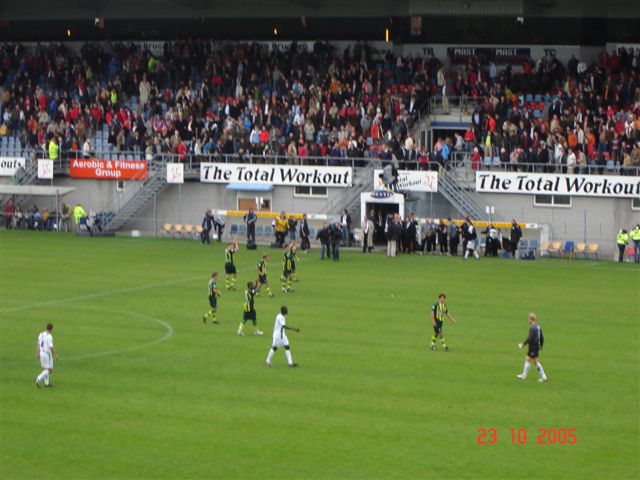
x,y
201,9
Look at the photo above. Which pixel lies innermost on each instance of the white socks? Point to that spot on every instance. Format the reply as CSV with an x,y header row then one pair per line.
x,y
475,254
541,371
288,355
270,356
525,370
44,375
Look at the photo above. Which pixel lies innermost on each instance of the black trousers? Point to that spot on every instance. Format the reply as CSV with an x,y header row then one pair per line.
x,y
251,233
431,243
365,243
205,236
453,246
621,252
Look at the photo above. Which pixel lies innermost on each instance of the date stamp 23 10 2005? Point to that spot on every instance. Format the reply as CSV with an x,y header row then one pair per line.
x,y
545,436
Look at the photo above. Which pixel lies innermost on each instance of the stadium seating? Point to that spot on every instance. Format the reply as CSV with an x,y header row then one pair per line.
x,y
234,230
167,228
568,250
592,249
188,231
629,253
554,248
544,248
177,230
533,246
581,249
198,231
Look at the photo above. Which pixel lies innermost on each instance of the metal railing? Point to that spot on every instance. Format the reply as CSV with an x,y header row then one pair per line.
x,y
461,161
453,105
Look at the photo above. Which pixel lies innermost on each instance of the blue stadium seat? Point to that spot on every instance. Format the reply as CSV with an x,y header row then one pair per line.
x,y
533,245
523,245
234,229
259,230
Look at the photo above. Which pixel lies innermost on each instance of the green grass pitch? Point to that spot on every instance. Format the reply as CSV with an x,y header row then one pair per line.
x,y
144,390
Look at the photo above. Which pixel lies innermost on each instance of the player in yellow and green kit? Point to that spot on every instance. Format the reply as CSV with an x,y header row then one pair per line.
x,y
230,265
293,256
262,275
286,269
214,293
438,311
249,311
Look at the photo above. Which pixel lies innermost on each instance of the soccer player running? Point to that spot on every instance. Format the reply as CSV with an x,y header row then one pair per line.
x,y
535,341
249,311
438,312
262,276
214,293
230,265
286,269
46,353
280,338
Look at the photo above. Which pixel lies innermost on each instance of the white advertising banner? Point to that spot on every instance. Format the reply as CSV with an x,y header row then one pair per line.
x,y
291,175
559,184
410,180
10,165
175,173
45,169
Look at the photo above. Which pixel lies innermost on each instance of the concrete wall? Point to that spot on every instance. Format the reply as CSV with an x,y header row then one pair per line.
x,y
595,220
589,219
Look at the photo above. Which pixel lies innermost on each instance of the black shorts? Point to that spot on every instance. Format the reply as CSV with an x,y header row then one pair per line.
x,y
249,316
438,327
532,352
213,301
262,278
229,268
293,266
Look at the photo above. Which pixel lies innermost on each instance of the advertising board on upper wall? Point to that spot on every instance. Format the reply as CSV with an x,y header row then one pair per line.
x,y
96,169
9,166
409,181
290,175
605,186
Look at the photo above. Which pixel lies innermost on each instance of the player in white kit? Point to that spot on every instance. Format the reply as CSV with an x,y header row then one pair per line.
x,y
280,338
46,353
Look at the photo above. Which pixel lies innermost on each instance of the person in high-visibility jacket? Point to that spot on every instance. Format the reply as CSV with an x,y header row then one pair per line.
x,y
53,149
635,237
622,239
78,213
281,226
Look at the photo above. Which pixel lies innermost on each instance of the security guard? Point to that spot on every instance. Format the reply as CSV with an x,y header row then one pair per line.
x,y
623,239
53,149
635,236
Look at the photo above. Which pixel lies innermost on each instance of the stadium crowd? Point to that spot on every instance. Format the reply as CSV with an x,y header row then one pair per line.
x,y
203,98
198,99
563,117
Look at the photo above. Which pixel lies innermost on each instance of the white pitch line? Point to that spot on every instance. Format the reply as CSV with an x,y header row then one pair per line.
x,y
169,331
108,293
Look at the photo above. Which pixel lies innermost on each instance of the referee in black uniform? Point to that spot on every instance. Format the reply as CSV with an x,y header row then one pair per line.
x,y
534,342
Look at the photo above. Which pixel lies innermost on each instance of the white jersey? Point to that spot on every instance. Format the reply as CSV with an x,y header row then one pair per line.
x,y
278,328
45,343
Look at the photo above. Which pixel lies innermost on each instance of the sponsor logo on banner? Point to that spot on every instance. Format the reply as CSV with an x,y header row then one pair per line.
x,y
291,175
410,180
175,172
9,166
109,169
45,169
500,55
559,184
